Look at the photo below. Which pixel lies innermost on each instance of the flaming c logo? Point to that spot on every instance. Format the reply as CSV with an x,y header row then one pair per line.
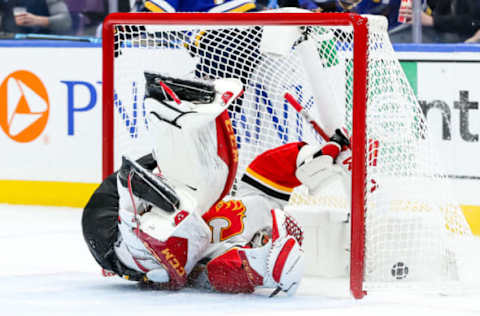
x,y
24,106
225,219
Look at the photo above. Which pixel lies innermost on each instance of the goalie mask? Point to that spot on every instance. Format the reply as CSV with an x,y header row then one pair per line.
x,y
192,136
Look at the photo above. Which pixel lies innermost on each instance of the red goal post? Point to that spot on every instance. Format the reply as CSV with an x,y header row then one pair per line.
x,y
359,25
371,88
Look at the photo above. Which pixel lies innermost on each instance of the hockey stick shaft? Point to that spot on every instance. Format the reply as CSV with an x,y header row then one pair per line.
x,y
299,108
170,92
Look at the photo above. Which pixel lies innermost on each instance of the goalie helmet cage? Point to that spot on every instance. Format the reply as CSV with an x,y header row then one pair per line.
x,y
390,229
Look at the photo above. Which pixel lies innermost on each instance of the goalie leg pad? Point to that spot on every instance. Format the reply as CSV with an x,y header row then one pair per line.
x,y
194,142
285,265
204,160
328,98
285,261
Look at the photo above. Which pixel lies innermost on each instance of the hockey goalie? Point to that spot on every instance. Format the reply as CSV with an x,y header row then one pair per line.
x,y
165,219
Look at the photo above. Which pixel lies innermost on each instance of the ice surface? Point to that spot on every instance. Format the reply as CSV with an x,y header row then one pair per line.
x,y
46,269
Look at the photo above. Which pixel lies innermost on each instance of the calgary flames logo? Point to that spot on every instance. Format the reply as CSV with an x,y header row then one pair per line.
x,y
225,219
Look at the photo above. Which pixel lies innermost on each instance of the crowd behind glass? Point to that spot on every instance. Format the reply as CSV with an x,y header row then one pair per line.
x,y
438,21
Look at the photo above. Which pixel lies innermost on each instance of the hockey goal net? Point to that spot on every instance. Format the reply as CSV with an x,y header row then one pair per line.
x,y
405,226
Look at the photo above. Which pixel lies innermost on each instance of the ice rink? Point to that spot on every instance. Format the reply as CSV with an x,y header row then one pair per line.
x,y
46,269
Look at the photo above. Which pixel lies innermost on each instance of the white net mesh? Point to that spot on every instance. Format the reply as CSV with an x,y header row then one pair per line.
x,y
411,219
411,216
261,118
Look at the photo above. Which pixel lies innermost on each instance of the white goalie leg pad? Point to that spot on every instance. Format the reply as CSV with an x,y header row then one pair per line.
x,y
325,81
189,159
281,261
188,153
325,73
274,45
285,265
285,262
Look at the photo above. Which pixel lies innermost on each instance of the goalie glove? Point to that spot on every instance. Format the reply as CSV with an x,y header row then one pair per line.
x,y
277,263
188,103
316,164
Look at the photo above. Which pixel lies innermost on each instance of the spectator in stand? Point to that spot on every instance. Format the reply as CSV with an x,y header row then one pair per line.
x,y
135,5
125,5
87,15
330,5
449,20
200,6
90,13
263,5
388,8
475,38
6,18
322,5
36,16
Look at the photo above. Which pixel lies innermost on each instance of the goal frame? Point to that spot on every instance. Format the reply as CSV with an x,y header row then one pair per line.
x,y
360,83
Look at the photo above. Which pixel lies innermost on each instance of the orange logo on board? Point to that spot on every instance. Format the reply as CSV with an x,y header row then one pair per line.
x,y
24,106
